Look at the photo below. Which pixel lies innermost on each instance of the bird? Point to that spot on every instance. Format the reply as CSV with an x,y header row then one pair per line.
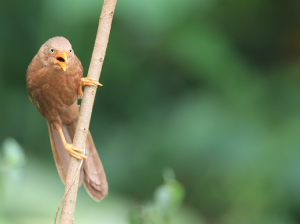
x,y
54,81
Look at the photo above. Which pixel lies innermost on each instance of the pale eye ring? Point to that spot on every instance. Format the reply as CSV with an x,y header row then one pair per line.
x,y
52,50
71,50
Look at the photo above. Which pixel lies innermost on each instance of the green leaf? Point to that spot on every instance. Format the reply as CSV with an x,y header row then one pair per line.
x,y
13,155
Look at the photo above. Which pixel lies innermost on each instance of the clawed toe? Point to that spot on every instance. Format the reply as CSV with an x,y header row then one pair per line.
x,y
74,151
89,82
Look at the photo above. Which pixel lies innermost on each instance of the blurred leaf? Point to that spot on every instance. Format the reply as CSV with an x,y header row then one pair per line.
x,y
169,196
167,200
13,155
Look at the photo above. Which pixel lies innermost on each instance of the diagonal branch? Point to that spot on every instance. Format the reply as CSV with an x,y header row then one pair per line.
x,y
86,108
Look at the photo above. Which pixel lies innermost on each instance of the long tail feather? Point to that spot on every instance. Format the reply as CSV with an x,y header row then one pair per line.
x,y
61,156
92,173
94,176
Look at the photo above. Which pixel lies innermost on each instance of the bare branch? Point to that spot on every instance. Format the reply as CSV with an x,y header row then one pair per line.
x,y
86,108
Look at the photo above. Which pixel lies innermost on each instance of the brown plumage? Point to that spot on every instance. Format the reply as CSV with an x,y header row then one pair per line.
x,y
54,81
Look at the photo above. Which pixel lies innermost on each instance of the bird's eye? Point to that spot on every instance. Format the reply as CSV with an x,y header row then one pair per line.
x,y
51,50
71,50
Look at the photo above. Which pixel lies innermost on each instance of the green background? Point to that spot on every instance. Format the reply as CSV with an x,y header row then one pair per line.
x,y
209,88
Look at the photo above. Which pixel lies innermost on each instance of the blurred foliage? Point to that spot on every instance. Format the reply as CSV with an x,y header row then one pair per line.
x,y
12,161
167,200
207,87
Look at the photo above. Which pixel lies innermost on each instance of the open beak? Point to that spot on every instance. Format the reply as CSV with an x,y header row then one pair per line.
x,y
62,60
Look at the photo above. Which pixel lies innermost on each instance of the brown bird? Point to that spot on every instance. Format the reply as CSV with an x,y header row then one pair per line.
x,y
54,81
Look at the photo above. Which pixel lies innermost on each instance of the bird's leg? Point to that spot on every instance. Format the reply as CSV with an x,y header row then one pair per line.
x,y
79,92
86,82
69,147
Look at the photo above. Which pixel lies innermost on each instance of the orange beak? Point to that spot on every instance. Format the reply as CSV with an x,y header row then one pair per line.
x,y
62,60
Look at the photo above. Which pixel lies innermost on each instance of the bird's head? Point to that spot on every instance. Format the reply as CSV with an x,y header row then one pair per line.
x,y
56,52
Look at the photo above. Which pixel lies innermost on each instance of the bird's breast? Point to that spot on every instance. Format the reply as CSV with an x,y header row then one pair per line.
x,y
60,89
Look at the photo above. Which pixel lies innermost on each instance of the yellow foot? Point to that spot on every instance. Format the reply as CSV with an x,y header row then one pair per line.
x,y
74,151
89,82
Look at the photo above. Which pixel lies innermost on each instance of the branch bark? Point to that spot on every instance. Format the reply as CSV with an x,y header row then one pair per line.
x,y
86,107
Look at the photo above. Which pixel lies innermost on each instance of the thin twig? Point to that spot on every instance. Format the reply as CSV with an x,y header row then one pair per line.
x,y
65,194
88,98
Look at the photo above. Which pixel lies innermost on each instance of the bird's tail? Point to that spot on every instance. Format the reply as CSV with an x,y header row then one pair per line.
x,y
92,173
